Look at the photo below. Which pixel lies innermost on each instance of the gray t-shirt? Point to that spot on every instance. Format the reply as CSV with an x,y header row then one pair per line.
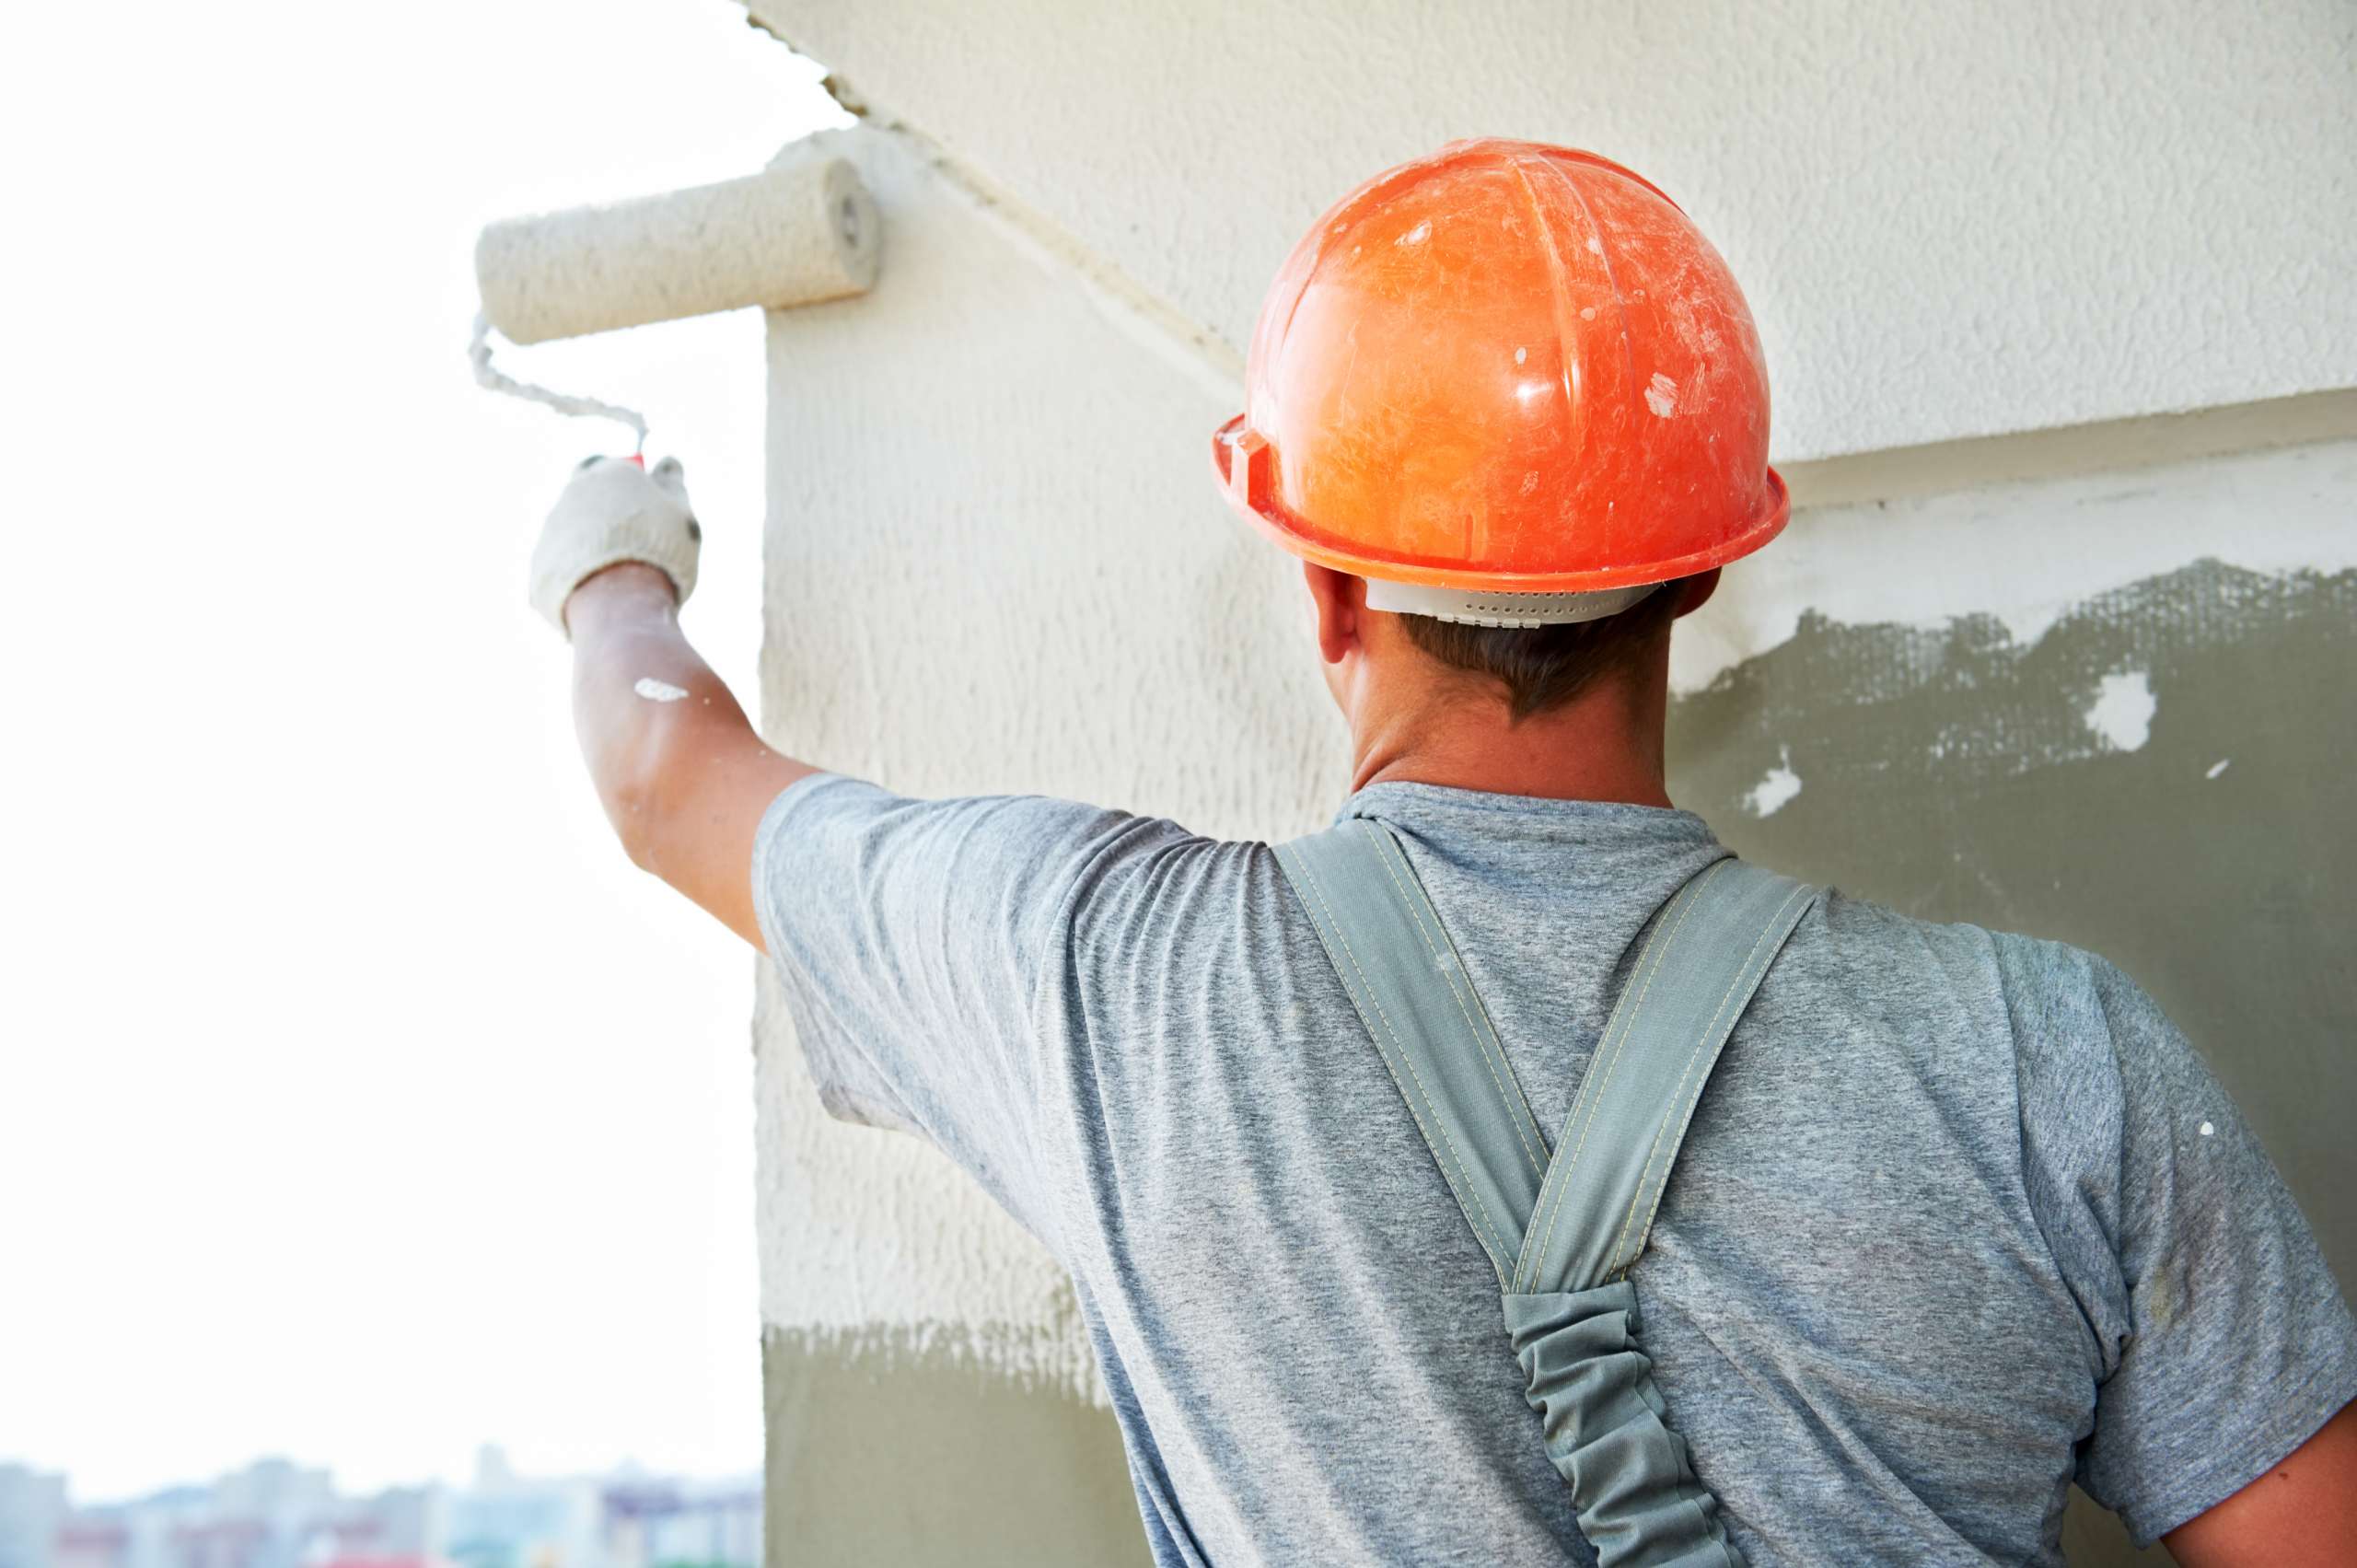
x,y
1960,1218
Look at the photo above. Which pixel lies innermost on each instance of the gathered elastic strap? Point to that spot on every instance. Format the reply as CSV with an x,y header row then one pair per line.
x,y
1561,1227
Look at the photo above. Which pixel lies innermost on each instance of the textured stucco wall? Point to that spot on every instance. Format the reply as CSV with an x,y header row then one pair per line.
x,y
996,562
1961,218
992,563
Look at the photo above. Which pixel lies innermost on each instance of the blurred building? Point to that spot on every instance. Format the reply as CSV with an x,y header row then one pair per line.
x,y
94,1542
683,1525
506,1520
32,1507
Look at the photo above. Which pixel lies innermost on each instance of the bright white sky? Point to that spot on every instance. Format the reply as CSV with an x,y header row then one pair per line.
x,y
359,1101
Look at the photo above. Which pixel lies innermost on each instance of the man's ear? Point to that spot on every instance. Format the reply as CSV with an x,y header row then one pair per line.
x,y
1696,592
1340,600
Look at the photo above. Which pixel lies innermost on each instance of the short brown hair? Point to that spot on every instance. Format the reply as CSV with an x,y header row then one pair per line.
x,y
1545,667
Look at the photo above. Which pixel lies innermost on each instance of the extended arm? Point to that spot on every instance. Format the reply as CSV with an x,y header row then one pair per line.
x,y
682,775
684,778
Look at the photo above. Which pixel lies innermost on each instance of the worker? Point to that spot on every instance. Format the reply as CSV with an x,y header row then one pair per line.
x,y
1508,1174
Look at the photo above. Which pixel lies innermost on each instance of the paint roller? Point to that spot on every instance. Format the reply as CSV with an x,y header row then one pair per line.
x,y
802,231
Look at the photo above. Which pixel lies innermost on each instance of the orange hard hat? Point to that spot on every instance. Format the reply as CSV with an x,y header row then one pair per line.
x,y
1509,383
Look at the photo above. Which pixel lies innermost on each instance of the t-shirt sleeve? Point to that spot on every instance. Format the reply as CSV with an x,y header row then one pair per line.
x,y
2221,1340
912,939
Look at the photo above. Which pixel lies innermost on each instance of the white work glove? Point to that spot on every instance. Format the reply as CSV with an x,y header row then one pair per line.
x,y
613,511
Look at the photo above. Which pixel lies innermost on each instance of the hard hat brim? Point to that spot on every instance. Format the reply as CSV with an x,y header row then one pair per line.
x,y
1246,489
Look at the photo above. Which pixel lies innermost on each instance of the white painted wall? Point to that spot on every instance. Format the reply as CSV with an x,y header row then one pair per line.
x,y
1952,219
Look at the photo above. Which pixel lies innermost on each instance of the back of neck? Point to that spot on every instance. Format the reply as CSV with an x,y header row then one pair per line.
x,y
1605,744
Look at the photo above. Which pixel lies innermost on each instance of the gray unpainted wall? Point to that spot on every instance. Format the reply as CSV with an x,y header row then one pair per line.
x,y
879,1452
1948,774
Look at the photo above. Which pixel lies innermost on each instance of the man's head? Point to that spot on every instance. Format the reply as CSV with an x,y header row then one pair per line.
x,y
1508,382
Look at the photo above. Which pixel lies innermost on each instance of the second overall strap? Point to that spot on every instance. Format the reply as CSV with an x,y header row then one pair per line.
x,y
1571,1312
1703,955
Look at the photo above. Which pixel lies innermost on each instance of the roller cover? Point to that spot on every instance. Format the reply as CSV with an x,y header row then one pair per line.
x,y
800,231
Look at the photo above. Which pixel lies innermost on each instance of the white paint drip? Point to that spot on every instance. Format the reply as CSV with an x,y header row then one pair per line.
x,y
1587,313
1419,234
1775,791
2123,710
655,690
1661,395
2026,551
1520,354
2218,767
2207,1129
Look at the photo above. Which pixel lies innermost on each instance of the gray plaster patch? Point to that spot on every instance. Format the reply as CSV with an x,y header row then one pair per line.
x,y
1953,773
897,1447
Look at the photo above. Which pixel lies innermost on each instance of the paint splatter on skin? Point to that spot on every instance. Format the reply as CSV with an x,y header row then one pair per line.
x,y
1419,234
1770,795
2218,767
2123,711
655,690
1661,395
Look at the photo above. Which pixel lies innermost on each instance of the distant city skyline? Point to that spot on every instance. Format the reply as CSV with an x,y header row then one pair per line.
x,y
277,1512
490,1459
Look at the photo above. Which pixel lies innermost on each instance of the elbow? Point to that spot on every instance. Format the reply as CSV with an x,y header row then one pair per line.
x,y
631,790
631,807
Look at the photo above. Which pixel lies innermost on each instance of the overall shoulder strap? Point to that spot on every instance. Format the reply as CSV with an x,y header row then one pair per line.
x,y
1410,987
1702,958
1563,1231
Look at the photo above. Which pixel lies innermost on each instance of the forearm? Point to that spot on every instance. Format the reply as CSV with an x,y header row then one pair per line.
x,y
681,773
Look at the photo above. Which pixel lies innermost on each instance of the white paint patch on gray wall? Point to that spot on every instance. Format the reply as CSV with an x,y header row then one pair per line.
x,y
1776,789
2121,716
